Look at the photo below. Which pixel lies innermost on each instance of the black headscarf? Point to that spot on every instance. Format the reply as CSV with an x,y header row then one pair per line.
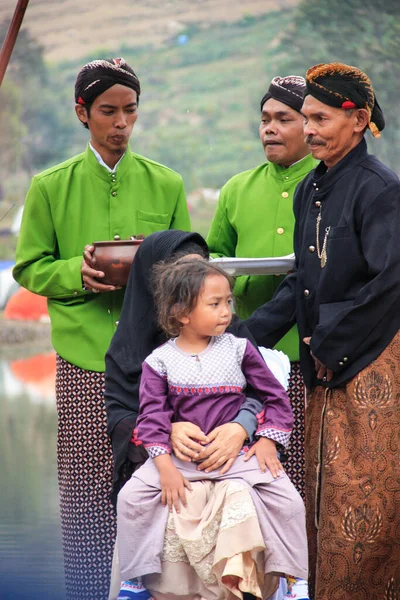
x,y
99,75
136,337
343,86
289,90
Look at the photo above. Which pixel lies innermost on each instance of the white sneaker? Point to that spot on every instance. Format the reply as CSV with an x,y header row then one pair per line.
x,y
297,589
133,590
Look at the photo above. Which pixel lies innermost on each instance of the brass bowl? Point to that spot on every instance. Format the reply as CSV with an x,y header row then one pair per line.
x,y
115,258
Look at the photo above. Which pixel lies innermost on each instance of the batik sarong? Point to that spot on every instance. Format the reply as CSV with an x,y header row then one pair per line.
x,y
353,484
85,465
294,464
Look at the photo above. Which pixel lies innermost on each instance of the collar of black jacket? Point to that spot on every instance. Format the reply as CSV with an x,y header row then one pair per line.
x,y
325,178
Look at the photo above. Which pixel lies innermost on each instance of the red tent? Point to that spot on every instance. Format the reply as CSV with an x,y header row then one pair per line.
x,y
37,372
26,306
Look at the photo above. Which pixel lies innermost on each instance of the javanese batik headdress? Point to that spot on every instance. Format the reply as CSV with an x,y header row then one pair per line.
x,y
343,86
289,90
99,75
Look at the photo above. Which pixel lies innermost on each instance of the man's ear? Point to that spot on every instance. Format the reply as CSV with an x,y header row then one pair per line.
x,y
362,119
81,113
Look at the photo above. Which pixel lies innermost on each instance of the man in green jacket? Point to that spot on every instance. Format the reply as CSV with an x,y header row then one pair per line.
x,y
107,192
254,218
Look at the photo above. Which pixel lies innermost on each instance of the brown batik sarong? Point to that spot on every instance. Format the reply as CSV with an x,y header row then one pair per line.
x,y
353,484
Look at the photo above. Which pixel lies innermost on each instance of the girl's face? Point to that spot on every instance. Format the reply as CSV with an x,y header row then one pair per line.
x,y
213,311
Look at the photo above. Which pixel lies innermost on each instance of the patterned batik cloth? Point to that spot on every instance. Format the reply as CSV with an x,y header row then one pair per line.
x,y
353,485
85,466
294,464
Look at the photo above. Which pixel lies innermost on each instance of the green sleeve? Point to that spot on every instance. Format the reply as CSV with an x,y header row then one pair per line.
x,y
181,219
222,237
38,268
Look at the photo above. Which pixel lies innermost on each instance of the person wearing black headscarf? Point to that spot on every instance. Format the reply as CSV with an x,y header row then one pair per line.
x,y
344,295
136,337
106,192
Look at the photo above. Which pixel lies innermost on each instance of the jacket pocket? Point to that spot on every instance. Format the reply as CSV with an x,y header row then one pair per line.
x,y
338,232
153,221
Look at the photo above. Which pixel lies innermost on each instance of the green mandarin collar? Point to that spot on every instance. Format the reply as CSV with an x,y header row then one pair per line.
x,y
299,169
101,171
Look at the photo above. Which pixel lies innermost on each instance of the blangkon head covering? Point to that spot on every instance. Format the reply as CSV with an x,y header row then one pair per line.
x,y
98,76
289,90
343,86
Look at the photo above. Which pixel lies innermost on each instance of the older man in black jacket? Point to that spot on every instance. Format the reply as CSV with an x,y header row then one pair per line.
x,y
344,295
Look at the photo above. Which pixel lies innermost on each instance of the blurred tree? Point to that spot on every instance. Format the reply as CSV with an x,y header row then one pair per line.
x,y
11,127
37,121
27,57
363,33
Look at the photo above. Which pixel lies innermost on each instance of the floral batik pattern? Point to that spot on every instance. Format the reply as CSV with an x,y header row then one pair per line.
x,y
353,485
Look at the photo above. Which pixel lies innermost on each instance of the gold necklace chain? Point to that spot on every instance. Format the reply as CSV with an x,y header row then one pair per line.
x,y
322,255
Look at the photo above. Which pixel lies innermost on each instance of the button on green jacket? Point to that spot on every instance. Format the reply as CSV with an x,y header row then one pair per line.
x,y
254,219
76,203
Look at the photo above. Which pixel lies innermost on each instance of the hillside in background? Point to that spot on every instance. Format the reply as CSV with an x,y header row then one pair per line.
x,y
73,29
202,80
199,108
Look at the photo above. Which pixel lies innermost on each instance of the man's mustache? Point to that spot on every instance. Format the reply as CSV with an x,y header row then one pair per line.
x,y
314,141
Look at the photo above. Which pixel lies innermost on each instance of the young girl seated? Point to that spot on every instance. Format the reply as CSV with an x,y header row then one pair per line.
x,y
200,375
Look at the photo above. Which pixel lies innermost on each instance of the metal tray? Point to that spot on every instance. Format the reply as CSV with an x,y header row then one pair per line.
x,y
276,265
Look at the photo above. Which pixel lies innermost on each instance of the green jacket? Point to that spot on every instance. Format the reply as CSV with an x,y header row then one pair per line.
x,y
76,203
254,219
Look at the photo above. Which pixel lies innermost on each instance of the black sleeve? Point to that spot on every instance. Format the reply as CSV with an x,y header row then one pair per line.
x,y
122,381
271,321
240,329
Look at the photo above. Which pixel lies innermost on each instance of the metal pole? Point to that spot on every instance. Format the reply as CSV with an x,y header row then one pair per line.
x,y
12,33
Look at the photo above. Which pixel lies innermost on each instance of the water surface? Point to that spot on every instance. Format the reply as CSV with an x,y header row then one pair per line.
x,y
31,563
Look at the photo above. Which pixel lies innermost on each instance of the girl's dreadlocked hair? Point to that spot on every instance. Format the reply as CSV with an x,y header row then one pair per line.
x,y
176,288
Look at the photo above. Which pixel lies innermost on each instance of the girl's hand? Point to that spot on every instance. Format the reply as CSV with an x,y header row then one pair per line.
x,y
186,440
173,483
265,450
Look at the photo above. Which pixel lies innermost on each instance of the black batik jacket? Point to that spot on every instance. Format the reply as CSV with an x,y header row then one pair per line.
x,y
351,307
